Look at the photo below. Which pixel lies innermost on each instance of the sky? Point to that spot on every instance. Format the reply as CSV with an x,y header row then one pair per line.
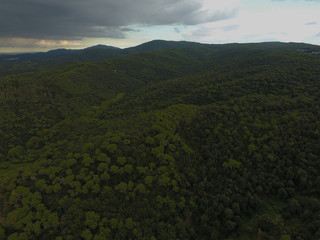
x,y
42,25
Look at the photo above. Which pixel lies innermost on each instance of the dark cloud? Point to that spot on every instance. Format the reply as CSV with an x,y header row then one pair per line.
x,y
75,19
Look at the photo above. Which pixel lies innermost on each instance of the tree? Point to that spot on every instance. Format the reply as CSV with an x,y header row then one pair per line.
x,y
129,223
92,220
148,180
121,187
86,234
16,154
2,234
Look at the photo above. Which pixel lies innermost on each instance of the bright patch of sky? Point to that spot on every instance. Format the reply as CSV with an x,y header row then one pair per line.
x,y
255,21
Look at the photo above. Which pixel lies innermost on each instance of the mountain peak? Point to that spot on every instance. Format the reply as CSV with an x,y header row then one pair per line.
x,y
101,46
163,44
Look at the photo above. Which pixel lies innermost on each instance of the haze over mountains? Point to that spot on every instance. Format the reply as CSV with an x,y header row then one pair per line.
x,y
166,140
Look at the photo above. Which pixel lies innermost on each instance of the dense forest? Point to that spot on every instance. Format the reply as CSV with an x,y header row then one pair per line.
x,y
166,140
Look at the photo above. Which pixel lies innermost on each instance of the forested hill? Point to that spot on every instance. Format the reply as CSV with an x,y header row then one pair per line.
x,y
167,140
26,62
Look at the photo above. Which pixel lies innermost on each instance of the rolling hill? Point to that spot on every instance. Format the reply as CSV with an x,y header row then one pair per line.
x,y
167,140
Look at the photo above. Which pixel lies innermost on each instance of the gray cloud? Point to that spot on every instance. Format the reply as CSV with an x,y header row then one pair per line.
x,y
310,23
36,43
296,0
75,19
230,28
177,30
197,33
129,30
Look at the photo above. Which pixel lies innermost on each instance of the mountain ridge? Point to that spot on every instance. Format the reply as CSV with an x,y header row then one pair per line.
x,y
36,61
150,46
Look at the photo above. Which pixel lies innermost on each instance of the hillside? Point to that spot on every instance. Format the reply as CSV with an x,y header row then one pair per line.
x,y
30,62
168,140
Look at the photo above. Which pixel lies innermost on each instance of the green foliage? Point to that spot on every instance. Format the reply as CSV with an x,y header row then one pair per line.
x,y
285,237
92,220
201,142
16,154
2,234
86,235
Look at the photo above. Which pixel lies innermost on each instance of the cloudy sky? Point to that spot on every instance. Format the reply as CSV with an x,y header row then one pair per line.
x,y
41,25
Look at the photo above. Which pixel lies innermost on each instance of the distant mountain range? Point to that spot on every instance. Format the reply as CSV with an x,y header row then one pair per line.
x,y
40,60
98,52
103,52
36,61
